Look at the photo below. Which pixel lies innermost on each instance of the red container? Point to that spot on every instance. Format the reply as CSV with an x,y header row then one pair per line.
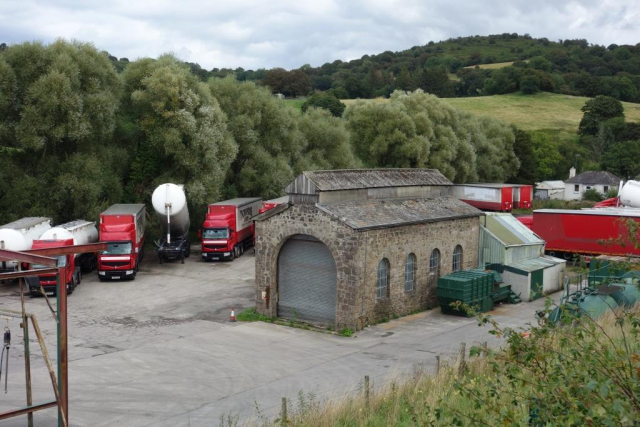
x,y
522,196
526,220
490,197
586,231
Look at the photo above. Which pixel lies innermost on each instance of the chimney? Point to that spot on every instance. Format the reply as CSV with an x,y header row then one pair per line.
x,y
572,172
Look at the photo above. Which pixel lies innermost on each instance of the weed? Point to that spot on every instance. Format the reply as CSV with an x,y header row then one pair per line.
x,y
250,315
346,332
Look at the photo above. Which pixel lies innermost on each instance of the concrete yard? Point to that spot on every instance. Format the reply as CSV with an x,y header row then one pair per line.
x,y
160,350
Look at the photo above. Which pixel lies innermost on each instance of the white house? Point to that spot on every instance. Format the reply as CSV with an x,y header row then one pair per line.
x,y
549,190
576,185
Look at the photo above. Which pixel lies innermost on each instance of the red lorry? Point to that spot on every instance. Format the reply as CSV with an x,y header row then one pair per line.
x,y
601,231
72,273
228,228
122,228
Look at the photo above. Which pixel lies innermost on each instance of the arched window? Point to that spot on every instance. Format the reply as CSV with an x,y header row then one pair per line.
x,y
434,267
457,258
382,286
409,273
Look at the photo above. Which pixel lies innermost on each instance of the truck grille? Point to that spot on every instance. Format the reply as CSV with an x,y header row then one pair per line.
x,y
115,263
214,247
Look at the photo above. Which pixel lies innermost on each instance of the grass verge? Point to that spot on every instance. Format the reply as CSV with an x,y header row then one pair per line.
x,y
250,315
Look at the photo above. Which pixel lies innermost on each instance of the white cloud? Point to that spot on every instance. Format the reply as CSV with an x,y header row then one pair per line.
x,y
289,33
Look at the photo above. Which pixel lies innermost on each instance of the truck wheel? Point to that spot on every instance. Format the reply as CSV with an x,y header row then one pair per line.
x,y
79,277
241,248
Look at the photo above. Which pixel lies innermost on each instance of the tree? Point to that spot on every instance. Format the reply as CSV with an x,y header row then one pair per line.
x,y
622,159
327,141
270,145
598,110
523,149
384,135
326,101
58,107
530,84
404,81
435,80
183,136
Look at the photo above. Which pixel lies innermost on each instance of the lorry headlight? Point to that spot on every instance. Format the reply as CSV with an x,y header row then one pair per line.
x,y
227,253
129,271
102,273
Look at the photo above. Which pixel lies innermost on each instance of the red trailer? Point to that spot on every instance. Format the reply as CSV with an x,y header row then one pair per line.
x,y
490,197
522,196
587,231
228,228
270,204
72,273
122,228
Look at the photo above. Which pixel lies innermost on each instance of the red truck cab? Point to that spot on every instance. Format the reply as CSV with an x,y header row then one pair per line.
x,y
122,228
72,273
228,228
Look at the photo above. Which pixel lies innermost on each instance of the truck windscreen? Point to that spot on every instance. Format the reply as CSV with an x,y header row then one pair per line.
x,y
117,248
215,233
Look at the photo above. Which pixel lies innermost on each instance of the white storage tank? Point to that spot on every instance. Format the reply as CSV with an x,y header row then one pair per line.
x,y
82,232
19,235
630,194
170,203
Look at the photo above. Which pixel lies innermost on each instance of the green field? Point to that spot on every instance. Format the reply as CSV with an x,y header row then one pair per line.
x,y
531,112
295,103
491,66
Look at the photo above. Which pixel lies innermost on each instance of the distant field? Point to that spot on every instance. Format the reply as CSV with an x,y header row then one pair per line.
x,y
530,112
491,66
295,103
540,111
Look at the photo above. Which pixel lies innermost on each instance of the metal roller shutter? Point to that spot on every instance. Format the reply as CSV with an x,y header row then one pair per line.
x,y
307,281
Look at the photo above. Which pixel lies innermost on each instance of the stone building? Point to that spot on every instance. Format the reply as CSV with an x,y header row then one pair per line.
x,y
355,247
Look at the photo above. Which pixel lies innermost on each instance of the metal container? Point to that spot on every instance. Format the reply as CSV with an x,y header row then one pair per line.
x,y
626,293
592,302
469,287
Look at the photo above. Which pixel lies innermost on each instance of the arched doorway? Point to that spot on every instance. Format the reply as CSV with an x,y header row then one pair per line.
x,y
307,280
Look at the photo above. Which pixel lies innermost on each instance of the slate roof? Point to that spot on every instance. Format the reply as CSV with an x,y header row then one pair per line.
x,y
352,179
385,213
595,177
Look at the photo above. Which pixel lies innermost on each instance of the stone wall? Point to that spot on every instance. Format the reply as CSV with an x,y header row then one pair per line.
x,y
396,244
341,240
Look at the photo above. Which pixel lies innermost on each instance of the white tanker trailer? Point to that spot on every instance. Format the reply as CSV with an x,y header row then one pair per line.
x,y
170,203
629,194
82,233
19,236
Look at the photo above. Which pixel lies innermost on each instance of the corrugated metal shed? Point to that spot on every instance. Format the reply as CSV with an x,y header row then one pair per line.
x,y
511,231
535,264
383,213
505,240
311,182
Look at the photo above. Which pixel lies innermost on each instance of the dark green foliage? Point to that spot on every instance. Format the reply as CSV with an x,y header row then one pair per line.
x,y
598,110
523,149
622,159
326,101
435,80
592,195
530,84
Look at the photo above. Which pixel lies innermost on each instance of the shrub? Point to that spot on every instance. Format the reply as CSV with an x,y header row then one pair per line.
x,y
326,101
592,195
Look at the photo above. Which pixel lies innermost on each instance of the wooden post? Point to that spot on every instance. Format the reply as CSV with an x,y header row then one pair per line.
x,y
366,391
27,353
485,349
437,364
283,414
463,351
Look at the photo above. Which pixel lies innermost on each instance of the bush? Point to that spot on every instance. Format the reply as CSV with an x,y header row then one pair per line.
x,y
326,101
592,195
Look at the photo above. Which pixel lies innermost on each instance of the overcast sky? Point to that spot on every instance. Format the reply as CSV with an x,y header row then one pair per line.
x,y
283,33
